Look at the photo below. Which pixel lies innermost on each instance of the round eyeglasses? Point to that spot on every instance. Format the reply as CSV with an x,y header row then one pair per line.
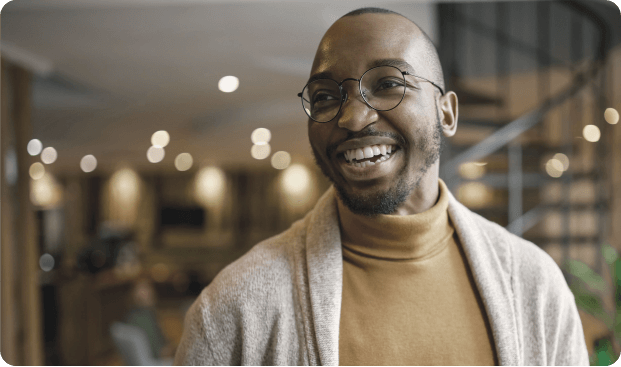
x,y
381,87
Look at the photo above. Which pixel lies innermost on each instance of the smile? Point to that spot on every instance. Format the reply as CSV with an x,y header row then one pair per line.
x,y
367,162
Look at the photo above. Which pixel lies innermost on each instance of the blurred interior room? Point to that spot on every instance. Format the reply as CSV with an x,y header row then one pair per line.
x,y
146,145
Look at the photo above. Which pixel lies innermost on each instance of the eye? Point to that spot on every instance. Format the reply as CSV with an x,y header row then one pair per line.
x,y
386,84
323,97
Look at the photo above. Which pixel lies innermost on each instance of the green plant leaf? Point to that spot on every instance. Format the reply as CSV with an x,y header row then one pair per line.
x,y
591,304
588,276
609,253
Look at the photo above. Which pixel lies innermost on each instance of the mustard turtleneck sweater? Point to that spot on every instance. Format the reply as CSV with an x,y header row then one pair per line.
x,y
409,297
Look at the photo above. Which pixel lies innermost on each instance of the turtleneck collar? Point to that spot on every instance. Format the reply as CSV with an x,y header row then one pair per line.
x,y
398,237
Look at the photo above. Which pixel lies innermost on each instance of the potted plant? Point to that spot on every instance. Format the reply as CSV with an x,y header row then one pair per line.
x,y
590,289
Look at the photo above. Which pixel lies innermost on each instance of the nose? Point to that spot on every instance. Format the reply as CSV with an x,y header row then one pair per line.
x,y
355,114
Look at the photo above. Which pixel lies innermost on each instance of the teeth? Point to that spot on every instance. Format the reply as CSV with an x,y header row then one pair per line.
x,y
368,152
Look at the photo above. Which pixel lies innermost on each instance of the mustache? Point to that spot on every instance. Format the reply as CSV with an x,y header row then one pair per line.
x,y
368,131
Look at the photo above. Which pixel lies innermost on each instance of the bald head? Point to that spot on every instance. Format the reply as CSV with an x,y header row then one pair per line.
x,y
427,47
426,50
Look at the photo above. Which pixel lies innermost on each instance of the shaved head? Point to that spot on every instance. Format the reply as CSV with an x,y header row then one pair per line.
x,y
428,48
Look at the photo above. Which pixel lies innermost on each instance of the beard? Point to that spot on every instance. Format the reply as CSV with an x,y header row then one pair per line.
x,y
387,202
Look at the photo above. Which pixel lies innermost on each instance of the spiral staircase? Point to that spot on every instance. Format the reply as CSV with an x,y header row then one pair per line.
x,y
526,93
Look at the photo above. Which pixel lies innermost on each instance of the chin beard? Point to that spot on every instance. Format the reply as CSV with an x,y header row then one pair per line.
x,y
387,202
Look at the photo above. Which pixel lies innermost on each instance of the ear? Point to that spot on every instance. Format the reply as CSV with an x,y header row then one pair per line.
x,y
449,113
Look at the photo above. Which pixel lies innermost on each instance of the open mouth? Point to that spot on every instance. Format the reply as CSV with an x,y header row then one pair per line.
x,y
369,155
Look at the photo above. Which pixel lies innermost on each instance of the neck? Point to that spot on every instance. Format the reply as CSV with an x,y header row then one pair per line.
x,y
424,196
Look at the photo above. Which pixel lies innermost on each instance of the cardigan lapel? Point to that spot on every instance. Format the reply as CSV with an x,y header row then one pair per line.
x,y
325,276
492,279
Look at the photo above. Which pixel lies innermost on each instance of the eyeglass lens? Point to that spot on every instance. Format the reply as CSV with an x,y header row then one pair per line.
x,y
382,88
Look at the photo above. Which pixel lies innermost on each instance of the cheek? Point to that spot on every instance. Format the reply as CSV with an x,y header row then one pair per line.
x,y
318,136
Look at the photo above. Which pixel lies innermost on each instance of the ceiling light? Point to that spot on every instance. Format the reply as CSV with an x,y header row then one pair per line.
x,y
34,147
155,154
554,168
160,138
88,163
563,159
591,133
611,116
261,136
49,155
260,151
228,84
281,160
183,162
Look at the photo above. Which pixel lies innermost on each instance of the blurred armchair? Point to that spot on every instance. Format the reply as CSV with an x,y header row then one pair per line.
x,y
133,345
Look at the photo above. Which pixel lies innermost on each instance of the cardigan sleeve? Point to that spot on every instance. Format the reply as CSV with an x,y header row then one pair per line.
x,y
551,326
193,348
569,347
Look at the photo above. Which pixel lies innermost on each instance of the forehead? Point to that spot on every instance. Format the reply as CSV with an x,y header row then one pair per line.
x,y
353,44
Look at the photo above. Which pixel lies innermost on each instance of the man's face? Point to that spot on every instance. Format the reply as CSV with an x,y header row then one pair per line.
x,y
412,130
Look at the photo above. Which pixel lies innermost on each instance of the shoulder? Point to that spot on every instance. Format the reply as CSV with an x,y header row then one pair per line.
x,y
243,302
526,262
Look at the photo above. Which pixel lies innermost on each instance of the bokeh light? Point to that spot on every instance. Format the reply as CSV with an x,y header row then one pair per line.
x,y
183,162
281,160
88,163
474,194
209,185
160,272
260,151
49,155
228,84
591,133
36,170
611,116
296,180
261,136
46,262
160,138
471,170
563,159
46,191
554,168
155,154
34,147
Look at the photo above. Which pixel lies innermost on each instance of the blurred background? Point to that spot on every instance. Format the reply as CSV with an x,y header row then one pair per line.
x,y
147,144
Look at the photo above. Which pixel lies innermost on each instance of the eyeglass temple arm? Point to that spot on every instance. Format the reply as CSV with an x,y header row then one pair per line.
x,y
427,80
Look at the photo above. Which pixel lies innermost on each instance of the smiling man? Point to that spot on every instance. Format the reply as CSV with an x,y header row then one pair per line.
x,y
388,268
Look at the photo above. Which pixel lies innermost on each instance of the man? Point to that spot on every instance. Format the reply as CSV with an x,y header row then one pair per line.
x,y
388,268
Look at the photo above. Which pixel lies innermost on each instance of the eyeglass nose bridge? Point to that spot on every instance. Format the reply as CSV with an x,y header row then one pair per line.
x,y
344,94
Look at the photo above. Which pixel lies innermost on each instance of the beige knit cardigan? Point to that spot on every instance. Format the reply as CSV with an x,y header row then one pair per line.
x,y
280,303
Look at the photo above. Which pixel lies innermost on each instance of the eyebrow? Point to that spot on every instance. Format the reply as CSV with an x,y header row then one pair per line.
x,y
400,64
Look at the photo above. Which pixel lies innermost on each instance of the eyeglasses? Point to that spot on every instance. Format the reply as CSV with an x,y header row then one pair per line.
x,y
381,87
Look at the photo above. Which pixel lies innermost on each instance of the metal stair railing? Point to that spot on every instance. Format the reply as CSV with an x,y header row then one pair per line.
x,y
507,136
